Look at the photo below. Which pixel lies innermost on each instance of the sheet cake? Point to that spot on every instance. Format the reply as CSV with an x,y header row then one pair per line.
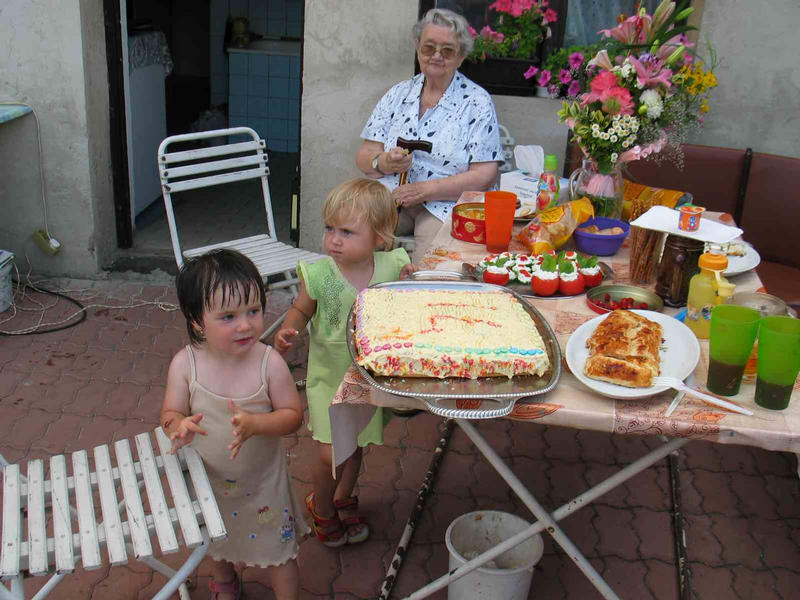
x,y
436,333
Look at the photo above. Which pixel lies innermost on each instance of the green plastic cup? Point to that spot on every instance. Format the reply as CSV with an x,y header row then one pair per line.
x,y
778,361
733,332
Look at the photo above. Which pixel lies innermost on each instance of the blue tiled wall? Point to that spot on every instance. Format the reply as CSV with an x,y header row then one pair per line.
x,y
263,92
265,95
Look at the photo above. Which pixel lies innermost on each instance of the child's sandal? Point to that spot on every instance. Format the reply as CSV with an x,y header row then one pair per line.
x,y
357,528
330,532
232,587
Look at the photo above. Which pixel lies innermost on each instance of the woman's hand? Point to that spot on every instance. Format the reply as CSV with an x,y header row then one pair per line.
x,y
407,270
243,427
186,431
411,194
396,160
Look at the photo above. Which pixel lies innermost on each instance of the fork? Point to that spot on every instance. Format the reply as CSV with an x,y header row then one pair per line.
x,y
677,384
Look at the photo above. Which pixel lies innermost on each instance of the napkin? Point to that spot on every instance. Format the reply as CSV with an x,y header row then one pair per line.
x,y
661,218
529,159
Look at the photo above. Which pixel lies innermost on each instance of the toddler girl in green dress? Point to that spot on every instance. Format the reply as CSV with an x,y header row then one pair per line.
x,y
360,218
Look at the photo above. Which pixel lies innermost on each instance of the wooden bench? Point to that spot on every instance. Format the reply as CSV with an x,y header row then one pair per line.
x,y
69,501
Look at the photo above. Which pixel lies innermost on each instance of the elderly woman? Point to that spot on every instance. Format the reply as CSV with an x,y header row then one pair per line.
x,y
442,106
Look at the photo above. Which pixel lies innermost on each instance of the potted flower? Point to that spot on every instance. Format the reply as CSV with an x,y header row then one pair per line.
x,y
645,95
563,74
503,51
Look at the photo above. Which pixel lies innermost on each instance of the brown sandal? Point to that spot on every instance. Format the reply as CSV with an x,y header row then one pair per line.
x,y
330,532
357,528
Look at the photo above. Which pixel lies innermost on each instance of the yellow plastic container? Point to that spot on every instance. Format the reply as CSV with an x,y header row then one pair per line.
x,y
707,289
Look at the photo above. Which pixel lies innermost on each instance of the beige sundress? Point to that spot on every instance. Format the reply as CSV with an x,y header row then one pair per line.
x,y
253,490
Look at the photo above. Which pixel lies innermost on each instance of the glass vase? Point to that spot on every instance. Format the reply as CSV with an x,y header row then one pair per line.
x,y
604,190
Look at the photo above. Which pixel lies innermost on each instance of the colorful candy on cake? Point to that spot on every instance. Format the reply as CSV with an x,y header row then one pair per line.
x,y
438,333
547,273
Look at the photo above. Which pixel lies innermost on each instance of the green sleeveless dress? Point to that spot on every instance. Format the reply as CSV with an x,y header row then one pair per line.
x,y
328,357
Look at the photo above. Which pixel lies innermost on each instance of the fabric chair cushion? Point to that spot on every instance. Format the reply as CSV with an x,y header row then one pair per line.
x,y
772,208
713,176
780,280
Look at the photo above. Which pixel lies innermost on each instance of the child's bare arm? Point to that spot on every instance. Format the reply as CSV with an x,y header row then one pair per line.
x,y
300,313
175,419
287,411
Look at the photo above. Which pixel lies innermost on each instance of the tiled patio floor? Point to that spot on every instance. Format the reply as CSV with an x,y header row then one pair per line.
x,y
103,380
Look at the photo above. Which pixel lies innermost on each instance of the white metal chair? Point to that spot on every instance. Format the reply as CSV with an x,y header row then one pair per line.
x,y
216,165
507,142
31,498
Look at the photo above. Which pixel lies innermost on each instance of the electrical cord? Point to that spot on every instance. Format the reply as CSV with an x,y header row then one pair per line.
x,y
36,330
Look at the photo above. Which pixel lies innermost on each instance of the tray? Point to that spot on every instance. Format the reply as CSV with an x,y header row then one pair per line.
x,y
476,273
458,398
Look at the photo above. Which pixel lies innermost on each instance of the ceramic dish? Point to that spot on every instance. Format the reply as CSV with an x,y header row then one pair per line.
x,y
617,291
742,264
485,397
525,212
476,273
680,352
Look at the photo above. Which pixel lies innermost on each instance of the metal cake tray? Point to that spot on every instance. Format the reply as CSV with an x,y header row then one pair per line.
x,y
461,398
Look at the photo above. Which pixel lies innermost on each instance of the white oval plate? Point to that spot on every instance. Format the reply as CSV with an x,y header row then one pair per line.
x,y
679,354
742,264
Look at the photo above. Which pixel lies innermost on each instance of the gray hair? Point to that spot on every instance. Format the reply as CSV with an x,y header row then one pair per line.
x,y
446,18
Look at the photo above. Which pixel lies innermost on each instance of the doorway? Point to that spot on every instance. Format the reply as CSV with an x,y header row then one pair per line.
x,y
184,71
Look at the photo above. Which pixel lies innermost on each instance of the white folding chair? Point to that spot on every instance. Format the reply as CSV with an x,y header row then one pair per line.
x,y
184,170
31,498
507,142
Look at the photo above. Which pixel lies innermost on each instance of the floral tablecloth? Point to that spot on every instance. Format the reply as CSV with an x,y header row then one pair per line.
x,y
572,404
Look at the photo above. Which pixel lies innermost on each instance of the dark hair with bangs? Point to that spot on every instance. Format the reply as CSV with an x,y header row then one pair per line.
x,y
201,277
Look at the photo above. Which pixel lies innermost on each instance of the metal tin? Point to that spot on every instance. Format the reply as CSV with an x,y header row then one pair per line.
x,y
617,292
469,223
465,398
678,265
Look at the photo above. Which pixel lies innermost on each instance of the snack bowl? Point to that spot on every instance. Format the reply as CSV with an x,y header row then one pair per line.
x,y
597,243
616,292
469,223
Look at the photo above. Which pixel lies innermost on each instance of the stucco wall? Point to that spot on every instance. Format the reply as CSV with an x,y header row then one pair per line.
x,y
757,102
353,52
43,65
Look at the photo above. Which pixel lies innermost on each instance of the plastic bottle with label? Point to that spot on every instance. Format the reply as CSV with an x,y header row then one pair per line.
x,y
547,194
707,289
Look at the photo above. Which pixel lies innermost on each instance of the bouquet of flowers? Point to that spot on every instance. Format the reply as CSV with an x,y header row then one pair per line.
x,y
519,29
564,71
647,98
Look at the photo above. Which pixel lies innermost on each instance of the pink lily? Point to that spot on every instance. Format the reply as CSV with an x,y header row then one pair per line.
x,y
633,30
651,72
601,60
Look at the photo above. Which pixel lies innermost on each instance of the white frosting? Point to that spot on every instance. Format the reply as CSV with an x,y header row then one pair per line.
x,y
524,275
546,274
590,270
568,276
497,270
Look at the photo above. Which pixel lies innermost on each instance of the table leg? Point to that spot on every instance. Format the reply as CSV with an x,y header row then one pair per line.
x,y
177,578
546,520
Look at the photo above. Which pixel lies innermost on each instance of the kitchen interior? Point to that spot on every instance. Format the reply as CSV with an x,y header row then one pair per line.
x,y
197,65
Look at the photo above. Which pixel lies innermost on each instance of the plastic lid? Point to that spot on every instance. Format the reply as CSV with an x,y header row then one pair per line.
x,y
714,262
550,162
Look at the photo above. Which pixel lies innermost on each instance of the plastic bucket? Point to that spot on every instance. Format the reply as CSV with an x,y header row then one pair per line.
x,y
472,534
6,289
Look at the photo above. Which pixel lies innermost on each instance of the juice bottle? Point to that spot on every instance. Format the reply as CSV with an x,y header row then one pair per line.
x,y
547,194
707,289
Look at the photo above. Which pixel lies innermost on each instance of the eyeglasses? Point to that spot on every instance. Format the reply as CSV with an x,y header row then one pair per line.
x,y
446,52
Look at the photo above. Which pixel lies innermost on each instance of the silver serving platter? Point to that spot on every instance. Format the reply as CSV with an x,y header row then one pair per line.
x,y
486,397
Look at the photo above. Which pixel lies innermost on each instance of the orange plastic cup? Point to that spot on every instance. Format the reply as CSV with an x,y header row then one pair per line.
x,y
689,217
499,208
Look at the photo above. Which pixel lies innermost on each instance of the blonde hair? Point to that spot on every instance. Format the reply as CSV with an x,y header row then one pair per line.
x,y
369,202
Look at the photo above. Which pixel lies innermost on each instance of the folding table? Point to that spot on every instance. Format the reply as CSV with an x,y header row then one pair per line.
x,y
68,502
572,404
